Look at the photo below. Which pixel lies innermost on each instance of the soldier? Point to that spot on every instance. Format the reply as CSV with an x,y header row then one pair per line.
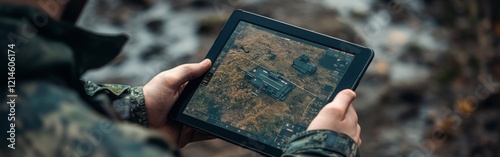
x,y
57,114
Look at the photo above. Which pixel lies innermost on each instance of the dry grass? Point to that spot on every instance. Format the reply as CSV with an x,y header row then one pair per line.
x,y
262,114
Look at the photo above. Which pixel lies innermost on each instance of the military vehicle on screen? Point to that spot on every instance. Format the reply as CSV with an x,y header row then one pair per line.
x,y
303,65
270,82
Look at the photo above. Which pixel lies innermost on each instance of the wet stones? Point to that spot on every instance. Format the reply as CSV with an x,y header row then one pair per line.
x,y
155,26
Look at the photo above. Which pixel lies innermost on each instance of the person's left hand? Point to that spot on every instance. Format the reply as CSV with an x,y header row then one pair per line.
x,y
160,94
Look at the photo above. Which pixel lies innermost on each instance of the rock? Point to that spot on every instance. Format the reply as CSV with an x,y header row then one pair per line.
x,y
196,4
494,67
121,16
408,74
155,26
210,25
381,67
118,60
152,52
412,53
141,3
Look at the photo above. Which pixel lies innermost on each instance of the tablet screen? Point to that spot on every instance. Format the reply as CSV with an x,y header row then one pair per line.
x,y
267,85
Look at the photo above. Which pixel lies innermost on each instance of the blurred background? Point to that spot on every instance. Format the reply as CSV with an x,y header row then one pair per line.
x,y
433,88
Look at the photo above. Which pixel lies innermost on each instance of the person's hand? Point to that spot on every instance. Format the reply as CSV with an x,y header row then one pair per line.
x,y
339,116
160,94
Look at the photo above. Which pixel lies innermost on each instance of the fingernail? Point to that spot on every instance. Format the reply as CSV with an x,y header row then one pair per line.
x,y
349,93
205,61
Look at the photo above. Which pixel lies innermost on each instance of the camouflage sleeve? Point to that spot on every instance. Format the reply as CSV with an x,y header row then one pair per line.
x,y
321,143
128,102
54,121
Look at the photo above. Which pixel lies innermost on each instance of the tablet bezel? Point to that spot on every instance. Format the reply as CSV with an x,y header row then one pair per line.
x,y
350,80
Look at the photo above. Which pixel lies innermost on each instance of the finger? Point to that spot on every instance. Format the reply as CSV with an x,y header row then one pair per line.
x,y
183,73
359,135
181,88
185,136
189,135
200,136
341,102
351,113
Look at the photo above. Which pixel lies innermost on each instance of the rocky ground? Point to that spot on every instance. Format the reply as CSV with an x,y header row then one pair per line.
x,y
432,89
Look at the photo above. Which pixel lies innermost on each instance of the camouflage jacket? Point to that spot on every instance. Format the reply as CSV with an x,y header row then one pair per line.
x,y
50,112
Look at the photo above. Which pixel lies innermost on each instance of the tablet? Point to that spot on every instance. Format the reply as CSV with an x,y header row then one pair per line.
x,y
268,81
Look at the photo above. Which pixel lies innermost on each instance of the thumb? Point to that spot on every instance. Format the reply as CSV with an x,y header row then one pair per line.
x,y
186,72
340,103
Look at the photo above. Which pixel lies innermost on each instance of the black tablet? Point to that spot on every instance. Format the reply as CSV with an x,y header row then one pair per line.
x,y
268,81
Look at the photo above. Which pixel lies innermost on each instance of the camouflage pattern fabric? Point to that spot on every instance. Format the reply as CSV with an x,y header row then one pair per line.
x,y
128,101
53,121
59,115
321,143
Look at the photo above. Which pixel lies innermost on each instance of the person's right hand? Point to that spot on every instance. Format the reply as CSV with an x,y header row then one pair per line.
x,y
339,116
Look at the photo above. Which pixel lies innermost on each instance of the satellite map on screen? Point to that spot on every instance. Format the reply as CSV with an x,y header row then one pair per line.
x,y
267,85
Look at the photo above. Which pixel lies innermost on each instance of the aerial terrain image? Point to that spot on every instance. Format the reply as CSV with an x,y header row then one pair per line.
x,y
267,85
